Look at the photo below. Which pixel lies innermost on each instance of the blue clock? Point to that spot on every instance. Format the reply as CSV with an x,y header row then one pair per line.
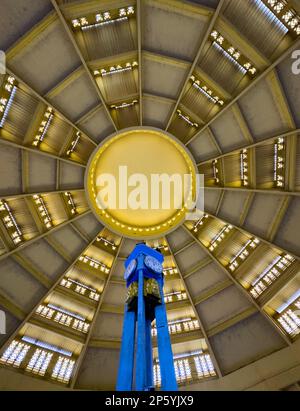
x,y
130,269
153,264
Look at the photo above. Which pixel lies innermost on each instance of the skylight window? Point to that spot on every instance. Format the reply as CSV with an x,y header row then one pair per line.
x,y
200,223
289,317
7,98
179,326
43,211
175,296
220,237
10,223
70,202
279,152
243,254
182,370
270,274
44,126
170,270
232,54
63,369
208,93
156,375
80,288
15,353
124,105
186,119
215,167
270,15
244,167
64,317
279,12
187,367
74,143
103,18
107,242
116,69
39,362
47,346
98,265
204,366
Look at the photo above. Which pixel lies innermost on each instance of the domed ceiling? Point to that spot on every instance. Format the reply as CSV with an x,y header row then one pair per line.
x,y
218,76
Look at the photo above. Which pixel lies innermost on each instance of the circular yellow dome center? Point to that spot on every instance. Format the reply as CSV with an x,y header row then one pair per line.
x,y
139,182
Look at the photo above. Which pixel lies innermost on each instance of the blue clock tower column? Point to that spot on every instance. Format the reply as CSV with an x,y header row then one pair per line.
x,y
144,303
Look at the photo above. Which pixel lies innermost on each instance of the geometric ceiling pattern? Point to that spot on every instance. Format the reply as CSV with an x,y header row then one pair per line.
x,y
215,74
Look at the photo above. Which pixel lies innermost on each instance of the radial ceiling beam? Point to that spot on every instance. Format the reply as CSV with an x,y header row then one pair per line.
x,y
163,58
48,103
205,336
65,82
254,190
278,218
91,77
242,43
158,98
291,162
192,67
35,272
214,140
43,235
230,322
284,109
241,288
279,284
203,263
263,240
212,291
10,305
243,123
248,88
281,99
24,195
246,207
257,144
93,322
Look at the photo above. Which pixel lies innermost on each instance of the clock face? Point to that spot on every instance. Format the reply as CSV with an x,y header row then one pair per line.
x,y
153,264
130,269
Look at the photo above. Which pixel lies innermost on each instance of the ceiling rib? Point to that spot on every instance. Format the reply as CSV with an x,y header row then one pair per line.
x,y
264,240
278,218
9,304
24,195
203,42
235,319
46,102
255,190
43,235
258,143
248,88
83,351
214,359
241,288
40,152
72,38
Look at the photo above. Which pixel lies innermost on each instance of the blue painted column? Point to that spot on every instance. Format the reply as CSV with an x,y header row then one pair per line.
x,y
143,264
140,376
125,373
165,354
149,355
